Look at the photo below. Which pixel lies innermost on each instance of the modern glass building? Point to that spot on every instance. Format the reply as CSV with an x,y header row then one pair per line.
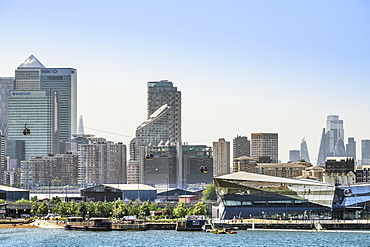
x,y
6,84
32,75
39,110
244,194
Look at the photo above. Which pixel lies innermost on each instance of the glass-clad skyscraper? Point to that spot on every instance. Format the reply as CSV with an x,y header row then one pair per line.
x,y
6,84
33,75
40,111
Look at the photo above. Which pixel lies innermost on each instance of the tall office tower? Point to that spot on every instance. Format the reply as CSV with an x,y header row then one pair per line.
x,y
365,152
241,147
304,151
221,157
340,150
6,84
265,147
40,111
32,75
329,138
81,129
2,158
294,155
102,163
161,93
351,148
27,75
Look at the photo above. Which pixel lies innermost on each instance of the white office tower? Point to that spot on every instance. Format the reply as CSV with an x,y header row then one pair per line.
x,y
39,111
6,84
33,75
164,93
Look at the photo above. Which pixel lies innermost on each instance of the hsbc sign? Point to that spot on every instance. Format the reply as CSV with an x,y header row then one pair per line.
x,y
49,71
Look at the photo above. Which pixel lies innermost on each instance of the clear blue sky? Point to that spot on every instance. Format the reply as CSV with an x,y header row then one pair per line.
x,y
242,66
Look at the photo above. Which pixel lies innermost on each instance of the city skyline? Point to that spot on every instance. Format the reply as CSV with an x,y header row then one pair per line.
x,y
249,67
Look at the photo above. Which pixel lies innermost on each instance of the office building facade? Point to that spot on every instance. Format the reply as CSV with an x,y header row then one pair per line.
x,y
6,85
40,111
102,163
241,147
331,139
221,157
294,155
304,151
365,152
32,75
264,147
351,148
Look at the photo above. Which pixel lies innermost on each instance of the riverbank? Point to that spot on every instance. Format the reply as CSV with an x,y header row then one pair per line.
x,y
35,224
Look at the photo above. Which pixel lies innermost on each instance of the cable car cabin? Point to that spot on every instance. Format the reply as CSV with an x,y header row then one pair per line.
x,y
149,157
203,169
26,131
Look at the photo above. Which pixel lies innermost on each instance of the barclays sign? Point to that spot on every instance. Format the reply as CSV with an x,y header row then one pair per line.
x,y
21,93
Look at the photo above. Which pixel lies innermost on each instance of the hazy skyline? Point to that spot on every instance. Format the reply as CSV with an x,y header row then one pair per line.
x,y
242,66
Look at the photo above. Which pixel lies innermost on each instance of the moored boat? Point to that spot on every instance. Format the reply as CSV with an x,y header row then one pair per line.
x,y
92,224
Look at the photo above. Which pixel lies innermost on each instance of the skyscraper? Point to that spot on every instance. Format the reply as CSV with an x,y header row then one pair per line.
x,y
221,157
32,75
81,129
161,93
351,148
304,151
6,84
40,111
241,147
329,139
294,155
365,152
265,147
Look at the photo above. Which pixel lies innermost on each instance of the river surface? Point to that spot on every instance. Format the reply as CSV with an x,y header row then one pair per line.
x,y
60,237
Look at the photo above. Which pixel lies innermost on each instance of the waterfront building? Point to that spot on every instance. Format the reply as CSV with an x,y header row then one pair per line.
x,y
164,93
244,163
6,85
265,147
304,151
362,173
246,195
113,192
221,157
102,162
241,147
2,158
329,139
33,75
286,170
40,112
179,166
365,152
60,169
294,155
351,148
340,171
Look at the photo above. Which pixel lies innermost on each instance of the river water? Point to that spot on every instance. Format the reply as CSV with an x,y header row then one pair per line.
x,y
60,237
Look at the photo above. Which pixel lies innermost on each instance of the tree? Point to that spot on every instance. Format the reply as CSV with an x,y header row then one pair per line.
x,y
144,208
209,194
34,207
181,210
55,199
168,210
200,209
43,208
34,198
